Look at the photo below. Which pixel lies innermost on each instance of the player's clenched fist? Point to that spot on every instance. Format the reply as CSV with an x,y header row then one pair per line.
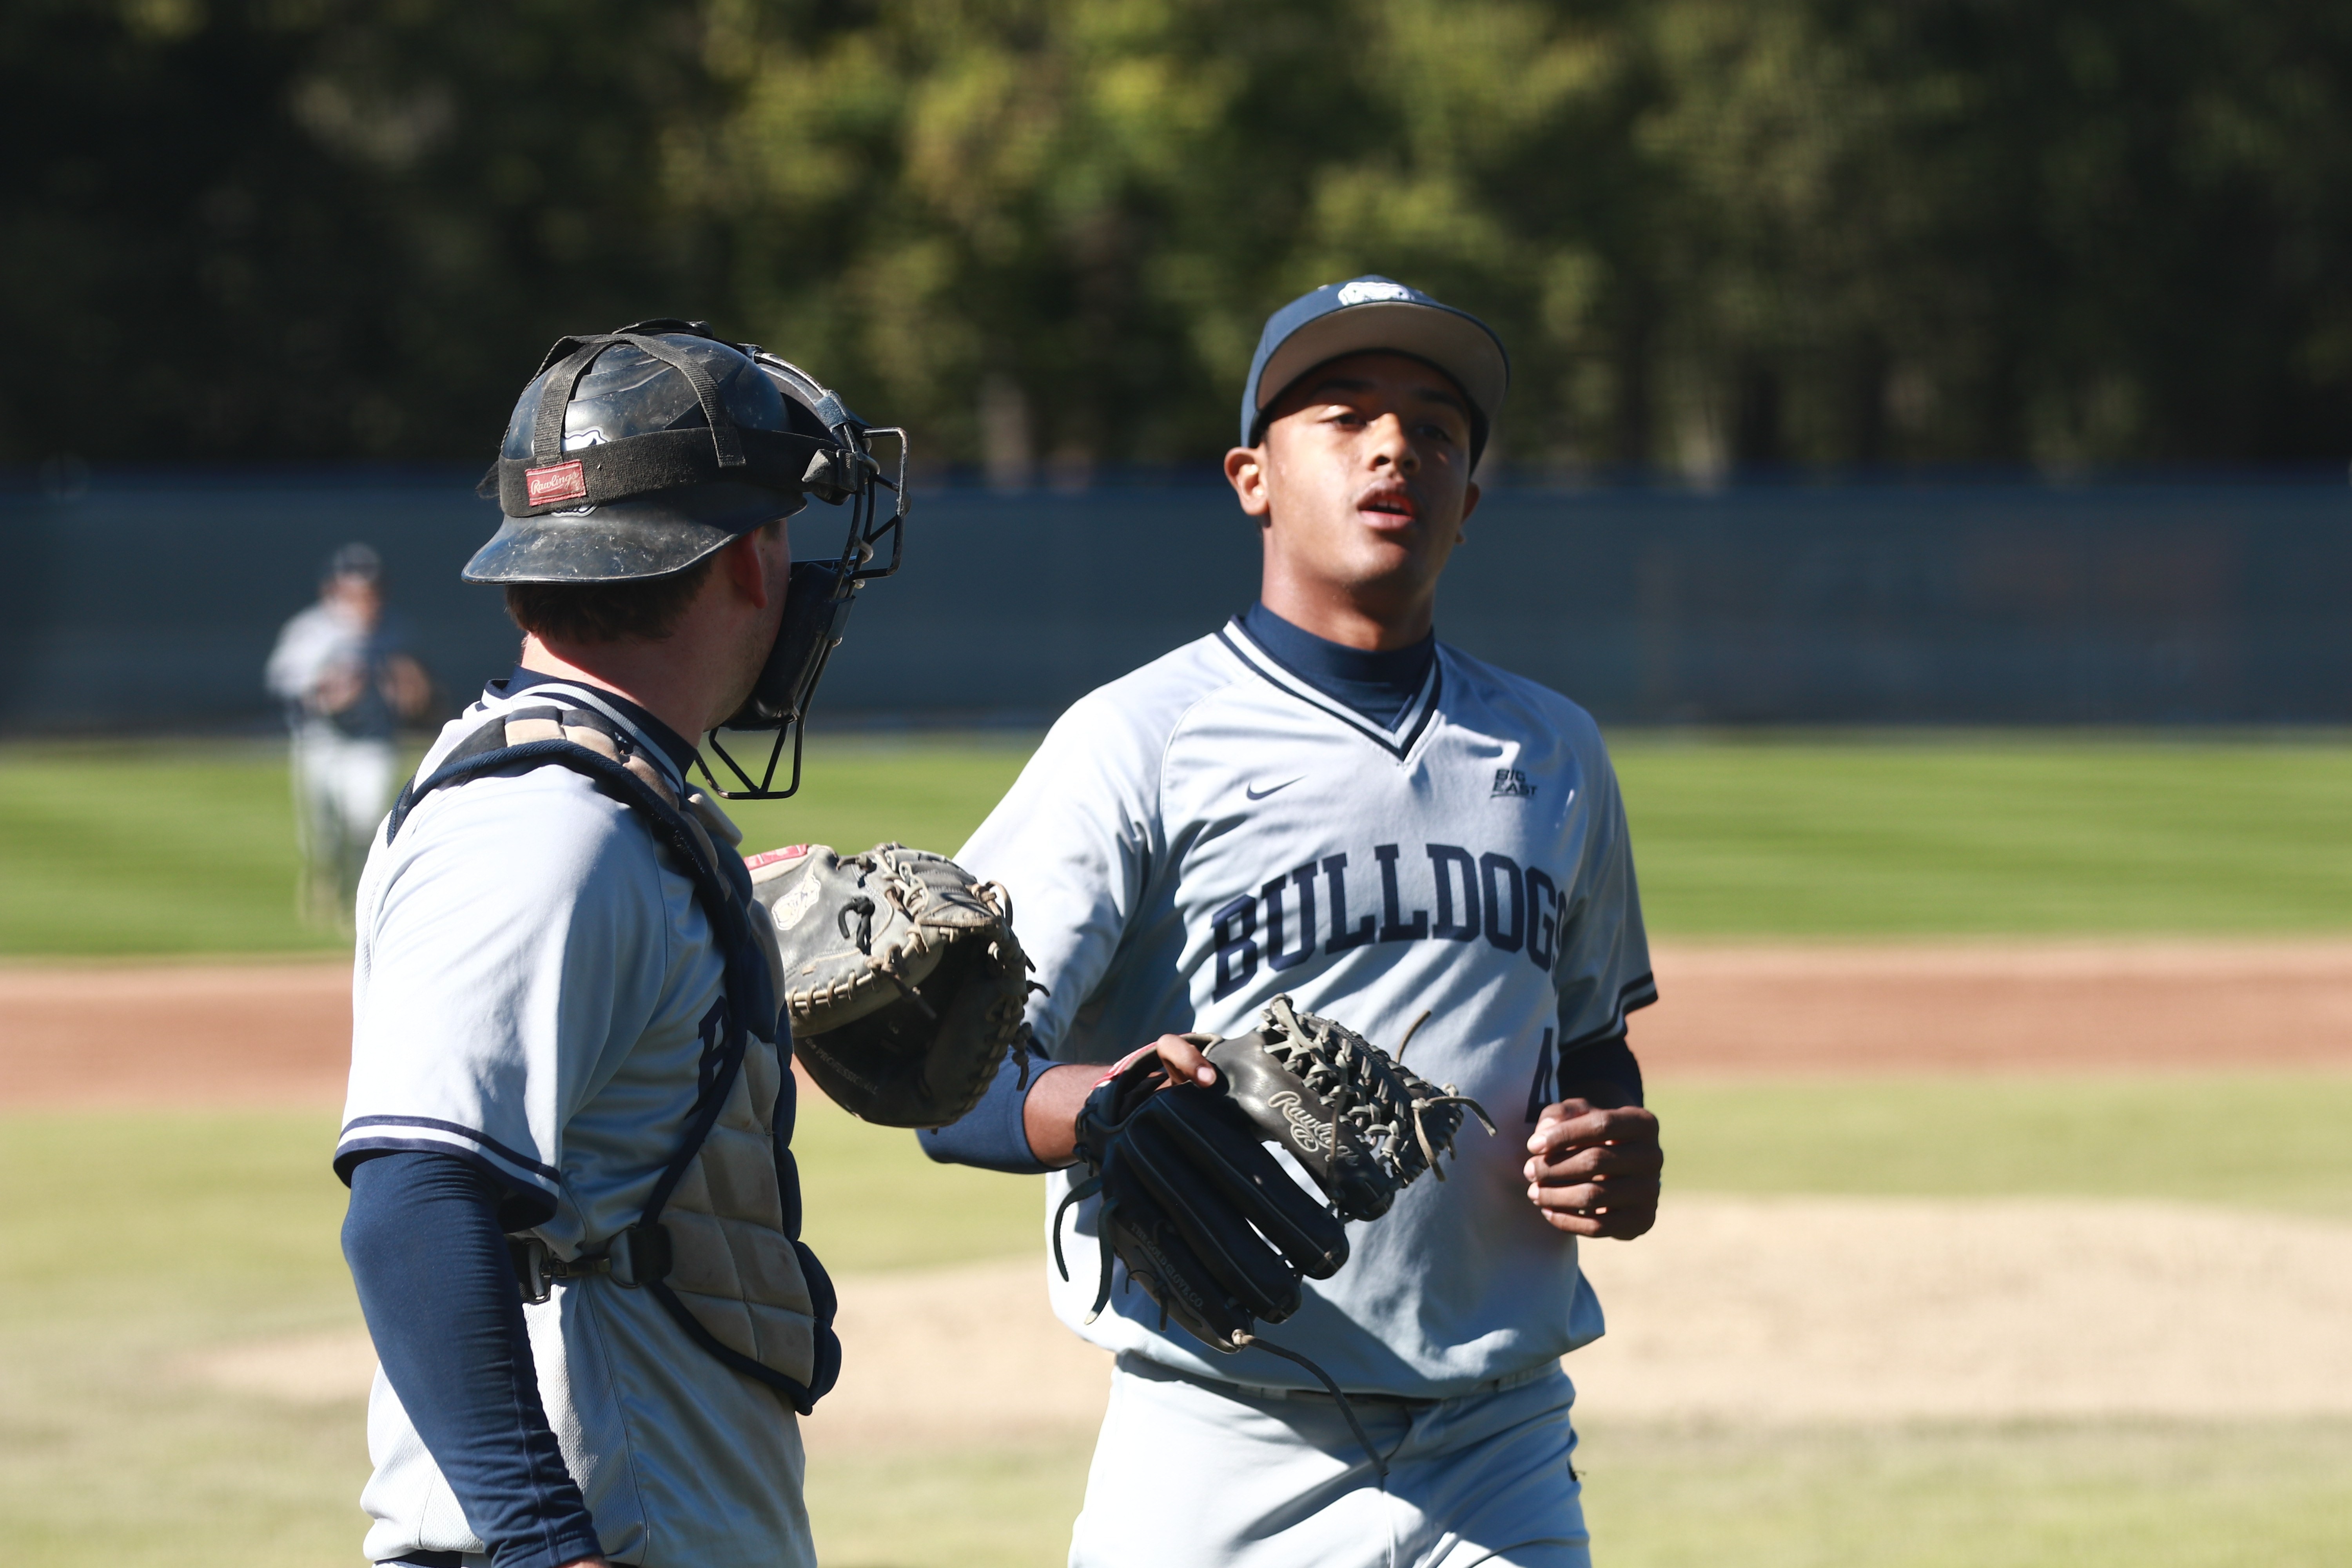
x,y
1594,1172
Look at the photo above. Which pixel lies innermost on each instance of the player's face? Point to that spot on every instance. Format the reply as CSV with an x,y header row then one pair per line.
x,y
762,565
360,598
1363,479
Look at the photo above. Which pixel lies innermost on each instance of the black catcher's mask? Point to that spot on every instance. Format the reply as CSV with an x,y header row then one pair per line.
x,y
636,453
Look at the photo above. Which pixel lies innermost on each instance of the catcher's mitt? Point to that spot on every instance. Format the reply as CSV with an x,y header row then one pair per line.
x,y
901,976
1207,1222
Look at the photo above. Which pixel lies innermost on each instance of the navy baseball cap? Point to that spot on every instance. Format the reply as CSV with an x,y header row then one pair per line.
x,y
1374,314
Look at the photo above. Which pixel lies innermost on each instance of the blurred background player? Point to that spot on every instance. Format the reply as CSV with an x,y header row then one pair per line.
x,y
1322,799
349,683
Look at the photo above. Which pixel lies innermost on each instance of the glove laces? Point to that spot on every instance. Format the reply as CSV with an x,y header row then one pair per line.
x,y
1375,1095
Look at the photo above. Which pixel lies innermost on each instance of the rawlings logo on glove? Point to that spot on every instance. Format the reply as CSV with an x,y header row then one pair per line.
x,y
1304,1130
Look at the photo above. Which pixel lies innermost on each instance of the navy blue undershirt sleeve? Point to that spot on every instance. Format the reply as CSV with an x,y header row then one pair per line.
x,y
423,1240
1377,685
992,1135
1606,1072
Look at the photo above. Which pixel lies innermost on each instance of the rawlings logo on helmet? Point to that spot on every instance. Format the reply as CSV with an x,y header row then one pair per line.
x,y
564,482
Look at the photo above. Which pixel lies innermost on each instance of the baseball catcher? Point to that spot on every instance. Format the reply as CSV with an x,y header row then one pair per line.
x,y
900,975
576,1218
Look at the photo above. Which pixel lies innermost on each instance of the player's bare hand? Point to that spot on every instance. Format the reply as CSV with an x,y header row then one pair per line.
x,y
1050,1115
337,688
1180,1055
1594,1171
406,687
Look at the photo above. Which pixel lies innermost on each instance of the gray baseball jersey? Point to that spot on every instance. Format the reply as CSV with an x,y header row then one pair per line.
x,y
1211,830
535,989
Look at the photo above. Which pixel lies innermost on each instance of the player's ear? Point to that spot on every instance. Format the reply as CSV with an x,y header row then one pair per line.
x,y
1469,504
1245,471
741,562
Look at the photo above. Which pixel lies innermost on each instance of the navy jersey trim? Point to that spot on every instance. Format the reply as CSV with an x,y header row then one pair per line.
x,y
1397,742
1631,997
523,1162
525,1206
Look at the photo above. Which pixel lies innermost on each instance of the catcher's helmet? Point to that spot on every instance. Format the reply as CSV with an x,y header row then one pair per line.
x,y
636,453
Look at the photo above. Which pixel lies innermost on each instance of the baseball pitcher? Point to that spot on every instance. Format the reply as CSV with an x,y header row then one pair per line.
x,y
1321,831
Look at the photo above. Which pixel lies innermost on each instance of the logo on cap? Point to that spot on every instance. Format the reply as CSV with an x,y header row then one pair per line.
x,y
1365,290
562,481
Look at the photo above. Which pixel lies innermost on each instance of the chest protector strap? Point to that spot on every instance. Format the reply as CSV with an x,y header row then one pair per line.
x,y
718,1243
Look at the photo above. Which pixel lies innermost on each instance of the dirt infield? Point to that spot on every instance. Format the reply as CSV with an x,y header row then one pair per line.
x,y
2053,1005
1797,1312
180,1034
251,1034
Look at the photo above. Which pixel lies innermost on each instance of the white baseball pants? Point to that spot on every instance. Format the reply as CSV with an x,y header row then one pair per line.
x,y
1188,1474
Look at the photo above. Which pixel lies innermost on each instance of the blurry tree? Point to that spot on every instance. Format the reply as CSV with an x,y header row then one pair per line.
x,y
1715,233
1957,229
1082,209
293,228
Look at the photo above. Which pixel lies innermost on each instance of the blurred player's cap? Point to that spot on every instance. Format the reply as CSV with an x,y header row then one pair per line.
x,y
1373,314
356,560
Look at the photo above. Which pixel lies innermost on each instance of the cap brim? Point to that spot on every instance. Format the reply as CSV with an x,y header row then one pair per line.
x,y
621,541
1453,343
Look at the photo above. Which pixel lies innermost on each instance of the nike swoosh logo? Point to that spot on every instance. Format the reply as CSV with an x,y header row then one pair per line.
x,y
1262,793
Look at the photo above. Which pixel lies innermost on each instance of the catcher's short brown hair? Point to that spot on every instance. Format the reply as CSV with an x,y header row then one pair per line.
x,y
645,609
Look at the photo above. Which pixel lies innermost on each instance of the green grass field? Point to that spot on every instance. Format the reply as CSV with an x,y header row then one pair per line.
x,y
135,1241
125,850
189,849
2002,835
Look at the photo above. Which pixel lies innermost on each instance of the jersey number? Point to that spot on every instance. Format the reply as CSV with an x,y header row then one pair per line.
x,y
1543,1091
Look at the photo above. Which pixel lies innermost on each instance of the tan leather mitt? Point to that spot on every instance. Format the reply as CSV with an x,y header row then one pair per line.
x,y
901,977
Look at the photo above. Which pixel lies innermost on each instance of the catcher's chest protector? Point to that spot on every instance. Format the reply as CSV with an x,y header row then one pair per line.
x,y
718,1243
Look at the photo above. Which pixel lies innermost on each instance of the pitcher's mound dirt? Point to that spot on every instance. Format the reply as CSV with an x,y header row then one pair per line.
x,y
1866,1310
1744,1313
259,1034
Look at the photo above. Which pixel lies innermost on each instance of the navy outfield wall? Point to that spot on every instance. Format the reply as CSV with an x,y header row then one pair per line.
x,y
147,600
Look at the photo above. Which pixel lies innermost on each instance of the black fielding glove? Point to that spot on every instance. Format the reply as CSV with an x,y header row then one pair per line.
x,y
1208,1223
